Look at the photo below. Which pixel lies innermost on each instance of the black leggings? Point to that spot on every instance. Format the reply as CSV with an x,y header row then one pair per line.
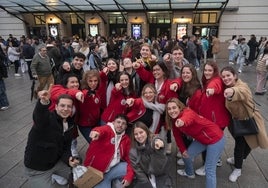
x,y
241,151
17,65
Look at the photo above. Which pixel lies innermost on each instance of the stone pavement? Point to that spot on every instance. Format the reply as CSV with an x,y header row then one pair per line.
x,y
16,122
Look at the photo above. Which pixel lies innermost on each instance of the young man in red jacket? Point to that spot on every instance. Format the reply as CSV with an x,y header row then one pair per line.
x,y
109,152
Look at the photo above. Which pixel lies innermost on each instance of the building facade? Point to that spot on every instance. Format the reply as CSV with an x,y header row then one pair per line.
x,y
240,17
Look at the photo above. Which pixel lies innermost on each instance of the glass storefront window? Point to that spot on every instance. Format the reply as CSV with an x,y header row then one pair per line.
x,y
212,18
159,18
117,18
205,18
39,19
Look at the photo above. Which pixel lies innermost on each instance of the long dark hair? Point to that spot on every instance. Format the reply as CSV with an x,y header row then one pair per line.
x,y
188,89
164,68
130,90
215,71
66,77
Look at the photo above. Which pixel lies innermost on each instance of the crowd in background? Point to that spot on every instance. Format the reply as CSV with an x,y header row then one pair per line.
x,y
122,87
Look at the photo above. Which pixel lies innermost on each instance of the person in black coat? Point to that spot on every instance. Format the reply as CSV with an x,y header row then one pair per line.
x,y
4,103
28,52
253,45
47,155
76,67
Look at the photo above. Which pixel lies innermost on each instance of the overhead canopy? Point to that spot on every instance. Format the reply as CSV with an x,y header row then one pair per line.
x,y
37,6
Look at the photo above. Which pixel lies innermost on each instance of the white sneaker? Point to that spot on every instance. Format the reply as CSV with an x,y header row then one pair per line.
x,y
59,179
201,171
17,75
239,71
179,155
183,173
231,63
231,160
169,148
4,108
180,162
234,175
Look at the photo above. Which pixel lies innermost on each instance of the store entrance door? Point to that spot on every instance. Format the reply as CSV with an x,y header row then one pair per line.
x,y
118,29
79,29
156,30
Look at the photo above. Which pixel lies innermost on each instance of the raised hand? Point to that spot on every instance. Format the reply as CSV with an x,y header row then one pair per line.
x,y
94,135
158,144
174,87
80,96
44,95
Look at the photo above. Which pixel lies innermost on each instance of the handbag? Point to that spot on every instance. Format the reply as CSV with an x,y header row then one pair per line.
x,y
245,127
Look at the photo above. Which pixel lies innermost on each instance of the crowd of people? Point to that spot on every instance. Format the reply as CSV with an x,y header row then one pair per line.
x,y
121,93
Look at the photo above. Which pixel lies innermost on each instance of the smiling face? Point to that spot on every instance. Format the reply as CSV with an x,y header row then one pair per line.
x,y
158,72
208,72
186,74
112,66
145,52
228,78
140,135
149,94
72,83
78,63
64,108
124,80
173,110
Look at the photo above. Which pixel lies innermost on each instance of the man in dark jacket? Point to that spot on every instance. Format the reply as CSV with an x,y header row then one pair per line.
x,y
4,104
28,52
76,67
48,151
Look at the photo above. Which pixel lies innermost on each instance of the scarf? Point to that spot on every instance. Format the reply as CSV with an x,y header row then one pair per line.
x,y
158,109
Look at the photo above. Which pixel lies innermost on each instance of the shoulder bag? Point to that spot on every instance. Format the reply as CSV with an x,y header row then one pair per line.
x,y
244,127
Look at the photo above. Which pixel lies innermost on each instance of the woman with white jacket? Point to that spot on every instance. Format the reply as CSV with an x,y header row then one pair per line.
x,y
14,56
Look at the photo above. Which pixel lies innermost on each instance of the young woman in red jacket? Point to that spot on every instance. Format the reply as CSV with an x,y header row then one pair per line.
x,y
207,136
212,104
88,115
189,90
109,76
120,93
158,77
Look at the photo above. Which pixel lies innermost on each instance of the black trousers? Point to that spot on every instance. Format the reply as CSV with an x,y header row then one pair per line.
x,y
241,151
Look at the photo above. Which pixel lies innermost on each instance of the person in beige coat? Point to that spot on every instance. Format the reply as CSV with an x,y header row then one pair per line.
x,y
240,104
215,47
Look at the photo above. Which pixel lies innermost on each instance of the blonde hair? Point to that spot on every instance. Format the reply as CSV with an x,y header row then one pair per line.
x,y
180,105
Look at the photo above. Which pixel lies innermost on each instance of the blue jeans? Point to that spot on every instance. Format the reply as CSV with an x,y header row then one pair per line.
x,y
115,173
85,132
231,55
240,62
3,95
213,154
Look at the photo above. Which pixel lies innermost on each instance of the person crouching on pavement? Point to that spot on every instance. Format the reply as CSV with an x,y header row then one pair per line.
x,y
47,155
109,153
